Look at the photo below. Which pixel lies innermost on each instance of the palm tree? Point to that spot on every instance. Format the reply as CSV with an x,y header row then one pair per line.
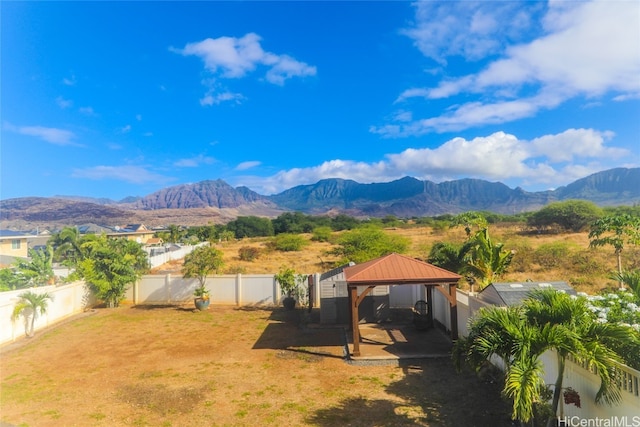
x,y
548,320
30,304
486,260
584,338
629,278
506,333
67,245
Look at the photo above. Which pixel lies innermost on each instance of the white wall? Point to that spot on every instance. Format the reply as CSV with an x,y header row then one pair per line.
x,y
66,301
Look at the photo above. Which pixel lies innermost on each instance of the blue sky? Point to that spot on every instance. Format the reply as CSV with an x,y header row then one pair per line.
x,y
116,99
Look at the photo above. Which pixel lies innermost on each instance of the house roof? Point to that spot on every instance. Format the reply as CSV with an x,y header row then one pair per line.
x,y
513,293
398,269
8,234
331,273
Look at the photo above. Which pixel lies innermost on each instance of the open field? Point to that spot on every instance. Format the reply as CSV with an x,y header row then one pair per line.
x,y
228,366
539,257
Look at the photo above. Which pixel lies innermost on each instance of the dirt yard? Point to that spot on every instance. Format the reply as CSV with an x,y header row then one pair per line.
x,y
228,366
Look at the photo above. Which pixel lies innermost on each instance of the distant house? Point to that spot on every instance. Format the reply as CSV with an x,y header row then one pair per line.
x,y
13,244
136,232
509,294
91,228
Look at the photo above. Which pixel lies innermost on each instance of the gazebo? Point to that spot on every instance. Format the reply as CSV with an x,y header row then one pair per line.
x,y
395,269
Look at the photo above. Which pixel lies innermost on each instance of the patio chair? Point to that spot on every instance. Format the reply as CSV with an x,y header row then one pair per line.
x,y
421,316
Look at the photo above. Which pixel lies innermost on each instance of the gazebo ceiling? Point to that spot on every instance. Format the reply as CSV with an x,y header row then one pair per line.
x,y
398,269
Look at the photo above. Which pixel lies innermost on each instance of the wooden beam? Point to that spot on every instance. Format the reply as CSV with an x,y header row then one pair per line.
x,y
447,295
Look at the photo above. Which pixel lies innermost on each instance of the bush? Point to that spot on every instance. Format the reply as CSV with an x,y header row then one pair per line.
x,y
364,244
550,255
248,253
572,215
289,242
321,234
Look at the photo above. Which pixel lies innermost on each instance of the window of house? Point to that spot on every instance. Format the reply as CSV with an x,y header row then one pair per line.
x,y
15,244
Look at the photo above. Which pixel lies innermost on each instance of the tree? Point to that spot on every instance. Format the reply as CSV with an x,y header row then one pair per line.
x,y
572,215
521,334
617,231
449,256
507,334
110,266
580,336
9,280
292,222
629,278
29,305
174,234
366,243
201,262
251,226
470,220
67,245
486,260
39,270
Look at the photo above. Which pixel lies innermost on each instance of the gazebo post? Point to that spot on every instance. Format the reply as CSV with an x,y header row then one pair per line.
x,y
353,298
453,311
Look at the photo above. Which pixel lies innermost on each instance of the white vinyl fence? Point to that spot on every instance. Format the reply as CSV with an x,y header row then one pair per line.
x,y
585,382
225,289
169,255
66,301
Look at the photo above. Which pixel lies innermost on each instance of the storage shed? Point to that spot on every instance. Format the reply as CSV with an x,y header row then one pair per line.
x,y
508,294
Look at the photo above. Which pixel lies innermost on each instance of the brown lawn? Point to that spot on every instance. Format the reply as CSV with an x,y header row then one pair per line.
x,y
228,366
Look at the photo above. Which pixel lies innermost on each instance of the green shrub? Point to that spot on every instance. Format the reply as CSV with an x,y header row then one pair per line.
x,y
321,234
286,242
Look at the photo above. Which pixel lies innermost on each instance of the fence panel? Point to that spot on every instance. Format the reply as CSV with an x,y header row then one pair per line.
x,y
66,301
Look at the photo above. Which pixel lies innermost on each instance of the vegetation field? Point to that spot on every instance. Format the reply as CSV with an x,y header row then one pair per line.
x,y
538,257
228,366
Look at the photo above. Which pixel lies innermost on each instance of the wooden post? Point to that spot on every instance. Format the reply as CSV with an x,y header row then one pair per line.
x,y
353,298
429,302
453,311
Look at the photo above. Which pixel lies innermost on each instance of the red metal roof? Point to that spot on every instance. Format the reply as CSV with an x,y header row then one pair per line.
x,y
398,269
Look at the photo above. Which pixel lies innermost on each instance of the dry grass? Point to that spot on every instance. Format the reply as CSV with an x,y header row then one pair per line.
x,y
585,269
229,366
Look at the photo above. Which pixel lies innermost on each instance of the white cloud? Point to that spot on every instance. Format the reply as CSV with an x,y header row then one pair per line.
x,y
125,129
232,57
471,29
547,160
577,143
69,81
248,165
194,161
63,103
139,117
211,98
52,135
131,174
586,49
88,111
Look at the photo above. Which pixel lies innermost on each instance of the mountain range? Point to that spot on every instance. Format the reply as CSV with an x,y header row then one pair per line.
x,y
216,201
